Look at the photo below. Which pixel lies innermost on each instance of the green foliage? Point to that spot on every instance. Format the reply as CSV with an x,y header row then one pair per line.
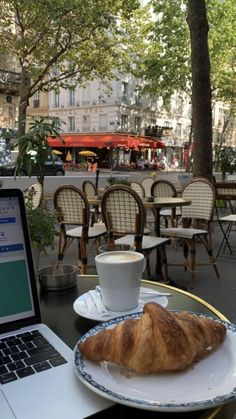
x,y
118,181
41,223
62,42
227,160
35,141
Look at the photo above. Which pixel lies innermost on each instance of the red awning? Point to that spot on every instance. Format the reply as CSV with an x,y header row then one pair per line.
x,y
105,140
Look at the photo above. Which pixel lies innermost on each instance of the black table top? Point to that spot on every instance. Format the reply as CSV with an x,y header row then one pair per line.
x,y
57,312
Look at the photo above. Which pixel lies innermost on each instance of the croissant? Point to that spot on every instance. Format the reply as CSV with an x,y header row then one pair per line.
x,y
158,341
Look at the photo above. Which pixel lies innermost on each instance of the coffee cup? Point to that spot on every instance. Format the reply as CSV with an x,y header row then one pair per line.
x,y
119,275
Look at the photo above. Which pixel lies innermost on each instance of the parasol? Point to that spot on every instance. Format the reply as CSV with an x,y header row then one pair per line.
x,y
68,156
87,153
59,153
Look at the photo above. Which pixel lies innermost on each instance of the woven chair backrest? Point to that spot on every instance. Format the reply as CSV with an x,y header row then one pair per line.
x,y
225,190
163,188
147,183
34,193
123,210
137,187
202,195
71,205
89,188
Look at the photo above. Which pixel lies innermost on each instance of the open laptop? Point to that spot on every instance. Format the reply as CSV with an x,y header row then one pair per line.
x,y
37,379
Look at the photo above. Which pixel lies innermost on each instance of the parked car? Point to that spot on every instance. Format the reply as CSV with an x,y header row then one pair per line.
x,y
53,167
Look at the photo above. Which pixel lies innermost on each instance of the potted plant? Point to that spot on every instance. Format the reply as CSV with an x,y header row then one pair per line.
x,y
118,181
42,227
34,148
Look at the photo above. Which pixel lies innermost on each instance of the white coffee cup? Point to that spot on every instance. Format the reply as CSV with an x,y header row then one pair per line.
x,y
120,274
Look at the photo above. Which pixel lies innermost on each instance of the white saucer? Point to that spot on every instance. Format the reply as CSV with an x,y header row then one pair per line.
x,y
81,308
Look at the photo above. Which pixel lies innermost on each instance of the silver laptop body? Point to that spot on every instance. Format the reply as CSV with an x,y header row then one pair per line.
x,y
31,388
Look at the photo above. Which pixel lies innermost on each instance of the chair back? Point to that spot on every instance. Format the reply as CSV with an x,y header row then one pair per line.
x,y
123,211
138,187
147,183
201,192
33,194
163,188
71,205
89,188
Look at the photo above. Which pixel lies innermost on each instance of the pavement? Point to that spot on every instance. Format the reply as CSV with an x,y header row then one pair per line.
x,y
220,292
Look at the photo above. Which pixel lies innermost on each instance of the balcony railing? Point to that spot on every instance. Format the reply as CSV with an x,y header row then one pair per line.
x,y
10,81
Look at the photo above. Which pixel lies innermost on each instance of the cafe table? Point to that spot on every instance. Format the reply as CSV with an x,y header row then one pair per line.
x,y
58,313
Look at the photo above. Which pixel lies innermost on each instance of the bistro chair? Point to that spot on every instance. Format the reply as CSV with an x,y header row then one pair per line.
x,y
197,224
72,210
138,187
147,183
163,188
90,191
33,194
124,216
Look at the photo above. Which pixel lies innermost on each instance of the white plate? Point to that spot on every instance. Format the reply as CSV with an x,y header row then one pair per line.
x,y
81,307
209,383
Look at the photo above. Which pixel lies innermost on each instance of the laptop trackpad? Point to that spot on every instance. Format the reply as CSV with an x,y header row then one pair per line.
x,y
5,410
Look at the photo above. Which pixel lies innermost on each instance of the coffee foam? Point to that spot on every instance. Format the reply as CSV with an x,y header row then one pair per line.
x,y
118,257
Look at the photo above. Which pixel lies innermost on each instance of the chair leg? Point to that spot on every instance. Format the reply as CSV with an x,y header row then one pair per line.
x,y
164,263
82,255
208,246
192,267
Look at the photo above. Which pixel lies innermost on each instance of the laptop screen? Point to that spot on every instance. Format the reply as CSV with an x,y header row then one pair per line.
x,y
18,295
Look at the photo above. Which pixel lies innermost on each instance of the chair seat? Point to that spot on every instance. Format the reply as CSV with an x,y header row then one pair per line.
x,y
182,233
93,232
168,212
148,242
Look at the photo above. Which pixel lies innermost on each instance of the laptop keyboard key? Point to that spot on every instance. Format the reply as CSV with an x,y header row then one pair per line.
x,y
19,355
42,366
15,365
7,378
24,372
59,360
41,357
40,350
3,369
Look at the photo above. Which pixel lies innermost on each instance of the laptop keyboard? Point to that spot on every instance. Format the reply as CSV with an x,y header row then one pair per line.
x,y
26,354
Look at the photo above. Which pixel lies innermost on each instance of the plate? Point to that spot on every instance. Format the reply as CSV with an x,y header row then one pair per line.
x,y
208,383
81,308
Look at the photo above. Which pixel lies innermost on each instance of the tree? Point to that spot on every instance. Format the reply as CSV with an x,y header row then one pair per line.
x,y
62,42
201,89
163,60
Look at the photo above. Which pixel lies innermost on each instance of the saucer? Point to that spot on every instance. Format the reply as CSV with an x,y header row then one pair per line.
x,y
80,306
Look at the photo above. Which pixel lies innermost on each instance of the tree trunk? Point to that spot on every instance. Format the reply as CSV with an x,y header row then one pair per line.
x,y
201,89
24,101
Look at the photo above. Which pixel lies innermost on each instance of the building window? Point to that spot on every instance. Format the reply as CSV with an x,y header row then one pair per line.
x,y
124,122
86,123
137,98
102,122
124,91
137,123
71,123
178,130
36,100
71,97
86,95
56,99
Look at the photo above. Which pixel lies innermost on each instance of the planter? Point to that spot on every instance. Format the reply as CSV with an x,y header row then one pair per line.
x,y
36,257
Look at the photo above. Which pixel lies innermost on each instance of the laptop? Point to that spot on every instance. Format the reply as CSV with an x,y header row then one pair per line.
x,y
37,377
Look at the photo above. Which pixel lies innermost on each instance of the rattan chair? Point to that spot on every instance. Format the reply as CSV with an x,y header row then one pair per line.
x,y
147,183
124,215
33,194
72,210
90,191
138,187
163,188
197,224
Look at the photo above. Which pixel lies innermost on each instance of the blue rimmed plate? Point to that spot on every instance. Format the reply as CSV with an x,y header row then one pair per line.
x,y
207,384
